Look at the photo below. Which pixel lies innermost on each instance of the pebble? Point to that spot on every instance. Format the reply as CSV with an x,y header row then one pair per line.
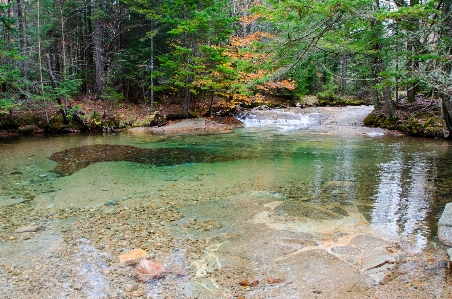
x,y
29,228
147,270
132,256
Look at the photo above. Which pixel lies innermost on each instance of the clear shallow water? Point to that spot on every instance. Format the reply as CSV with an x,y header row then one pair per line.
x,y
394,186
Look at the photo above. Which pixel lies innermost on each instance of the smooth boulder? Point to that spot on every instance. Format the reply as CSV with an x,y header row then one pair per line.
x,y
445,226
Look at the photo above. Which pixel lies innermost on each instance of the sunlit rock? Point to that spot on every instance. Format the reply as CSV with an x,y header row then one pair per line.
x,y
445,226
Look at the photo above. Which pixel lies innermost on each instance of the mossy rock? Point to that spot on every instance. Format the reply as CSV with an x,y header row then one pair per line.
x,y
372,120
412,127
28,129
430,127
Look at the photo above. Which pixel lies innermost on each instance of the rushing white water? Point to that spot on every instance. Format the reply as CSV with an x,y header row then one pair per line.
x,y
278,119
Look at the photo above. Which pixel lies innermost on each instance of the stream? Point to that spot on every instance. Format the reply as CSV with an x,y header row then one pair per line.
x,y
277,209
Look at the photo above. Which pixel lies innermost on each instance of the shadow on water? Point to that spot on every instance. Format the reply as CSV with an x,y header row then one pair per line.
x,y
71,160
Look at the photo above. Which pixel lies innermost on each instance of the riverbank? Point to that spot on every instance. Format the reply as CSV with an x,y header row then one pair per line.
x,y
347,120
422,118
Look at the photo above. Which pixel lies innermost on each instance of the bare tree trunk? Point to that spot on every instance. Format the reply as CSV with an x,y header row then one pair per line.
x,y
152,68
54,86
446,109
20,16
187,80
245,18
88,49
186,100
100,80
41,79
344,73
63,42
387,98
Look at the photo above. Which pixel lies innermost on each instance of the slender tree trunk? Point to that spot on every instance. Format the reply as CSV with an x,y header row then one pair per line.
x,y
387,98
72,58
446,101
245,18
186,99
376,66
20,16
41,79
98,52
344,73
152,68
88,46
63,42
61,107
187,79
446,109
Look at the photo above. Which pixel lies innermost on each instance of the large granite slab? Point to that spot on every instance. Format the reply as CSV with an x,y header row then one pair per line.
x,y
445,226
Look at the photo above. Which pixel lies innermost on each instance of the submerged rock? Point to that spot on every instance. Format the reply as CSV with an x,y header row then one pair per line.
x,y
74,159
132,256
10,201
27,229
147,270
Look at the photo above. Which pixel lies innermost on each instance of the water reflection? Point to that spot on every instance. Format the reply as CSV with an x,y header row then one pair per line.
x,y
402,198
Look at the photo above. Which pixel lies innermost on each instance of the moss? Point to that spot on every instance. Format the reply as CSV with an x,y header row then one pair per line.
x,y
328,98
27,129
371,120
412,127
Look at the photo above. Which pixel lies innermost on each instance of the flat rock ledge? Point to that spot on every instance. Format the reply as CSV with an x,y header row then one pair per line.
x,y
445,226
196,125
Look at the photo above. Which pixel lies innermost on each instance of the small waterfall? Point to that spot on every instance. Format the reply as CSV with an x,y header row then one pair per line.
x,y
282,120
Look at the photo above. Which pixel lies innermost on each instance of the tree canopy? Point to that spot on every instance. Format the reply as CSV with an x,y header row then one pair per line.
x,y
236,51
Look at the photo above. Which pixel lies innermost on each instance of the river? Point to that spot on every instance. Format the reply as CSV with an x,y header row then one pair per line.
x,y
260,212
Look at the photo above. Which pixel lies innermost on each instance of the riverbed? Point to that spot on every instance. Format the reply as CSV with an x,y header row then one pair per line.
x,y
295,203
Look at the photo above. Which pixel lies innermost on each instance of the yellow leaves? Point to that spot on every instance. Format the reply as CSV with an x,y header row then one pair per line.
x,y
273,86
249,19
241,42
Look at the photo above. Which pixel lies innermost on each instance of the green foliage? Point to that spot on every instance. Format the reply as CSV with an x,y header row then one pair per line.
x,y
329,94
95,118
306,78
67,88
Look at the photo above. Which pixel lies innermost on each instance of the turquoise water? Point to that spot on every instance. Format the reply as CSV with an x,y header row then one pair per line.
x,y
398,185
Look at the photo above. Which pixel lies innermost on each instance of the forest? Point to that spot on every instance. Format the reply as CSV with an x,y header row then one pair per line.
x,y
207,57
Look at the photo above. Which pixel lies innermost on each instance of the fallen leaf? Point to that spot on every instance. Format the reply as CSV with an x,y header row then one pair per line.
x,y
247,283
244,283
317,292
275,280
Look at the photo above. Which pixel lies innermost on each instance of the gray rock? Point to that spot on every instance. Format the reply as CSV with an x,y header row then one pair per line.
x,y
27,229
379,265
366,242
9,201
376,259
349,254
446,217
445,225
449,253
